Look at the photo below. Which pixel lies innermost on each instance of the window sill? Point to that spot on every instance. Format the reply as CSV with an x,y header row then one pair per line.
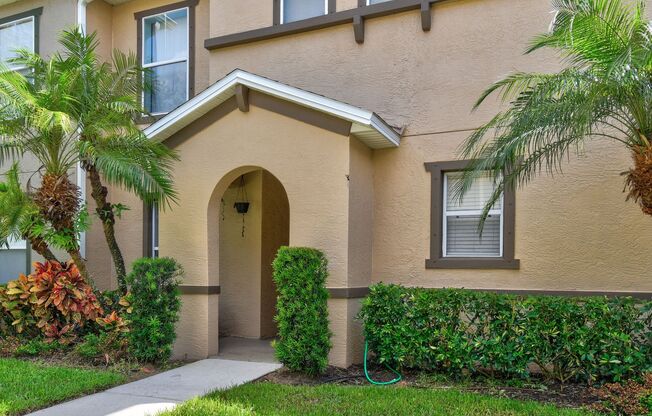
x,y
473,263
149,119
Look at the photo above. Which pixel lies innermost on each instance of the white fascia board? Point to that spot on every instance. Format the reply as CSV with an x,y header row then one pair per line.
x,y
224,89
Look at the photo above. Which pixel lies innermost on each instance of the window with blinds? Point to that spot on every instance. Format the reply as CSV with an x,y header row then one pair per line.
x,y
294,10
461,235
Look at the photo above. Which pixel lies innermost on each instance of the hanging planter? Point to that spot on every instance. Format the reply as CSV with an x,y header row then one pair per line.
x,y
241,204
241,207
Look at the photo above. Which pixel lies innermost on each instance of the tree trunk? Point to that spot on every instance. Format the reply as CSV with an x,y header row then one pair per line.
x,y
639,178
105,212
81,265
41,248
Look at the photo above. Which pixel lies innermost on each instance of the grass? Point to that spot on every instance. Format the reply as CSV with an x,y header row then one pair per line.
x,y
25,385
276,399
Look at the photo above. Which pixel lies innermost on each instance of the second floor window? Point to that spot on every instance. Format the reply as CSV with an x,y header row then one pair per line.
x,y
166,56
370,2
17,34
293,10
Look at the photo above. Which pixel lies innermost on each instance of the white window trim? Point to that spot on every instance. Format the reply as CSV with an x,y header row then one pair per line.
x,y
446,214
283,8
169,61
155,221
16,22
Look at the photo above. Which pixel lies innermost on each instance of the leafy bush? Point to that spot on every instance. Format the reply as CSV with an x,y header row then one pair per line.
x,y
629,399
155,302
35,347
302,310
54,300
460,332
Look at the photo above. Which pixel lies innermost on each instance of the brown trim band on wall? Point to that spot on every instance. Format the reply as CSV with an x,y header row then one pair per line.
x,y
569,293
321,22
199,290
437,259
347,292
147,230
138,16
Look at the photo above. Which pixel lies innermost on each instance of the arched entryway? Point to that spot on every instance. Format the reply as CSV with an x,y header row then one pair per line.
x,y
248,242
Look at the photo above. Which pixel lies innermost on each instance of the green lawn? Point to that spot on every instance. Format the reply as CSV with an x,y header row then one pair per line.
x,y
26,385
274,399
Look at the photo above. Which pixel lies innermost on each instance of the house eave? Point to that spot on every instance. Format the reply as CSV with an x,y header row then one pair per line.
x,y
366,125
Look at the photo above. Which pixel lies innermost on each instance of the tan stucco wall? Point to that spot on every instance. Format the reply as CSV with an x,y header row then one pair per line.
x,y
572,232
99,19
240,263
309,162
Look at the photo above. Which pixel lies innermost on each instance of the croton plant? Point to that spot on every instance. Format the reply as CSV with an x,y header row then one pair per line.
x,y
55,300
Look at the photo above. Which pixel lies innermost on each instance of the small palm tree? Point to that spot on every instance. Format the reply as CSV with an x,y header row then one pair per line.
x,y
34,113
604,91
74,109
19,216
112,147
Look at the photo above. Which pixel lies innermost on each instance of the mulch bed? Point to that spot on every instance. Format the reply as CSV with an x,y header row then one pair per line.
x,y
568,395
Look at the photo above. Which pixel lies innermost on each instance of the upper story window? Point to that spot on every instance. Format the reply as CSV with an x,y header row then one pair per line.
x,y
293,10
166,54
455,239
370,2
18,32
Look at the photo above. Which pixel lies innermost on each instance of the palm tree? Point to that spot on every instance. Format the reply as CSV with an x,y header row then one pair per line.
x,y
19,216
100,104
34,112
604,91
112,147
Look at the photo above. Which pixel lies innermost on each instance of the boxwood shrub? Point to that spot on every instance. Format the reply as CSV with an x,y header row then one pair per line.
x,y
302,311
462,332
155,302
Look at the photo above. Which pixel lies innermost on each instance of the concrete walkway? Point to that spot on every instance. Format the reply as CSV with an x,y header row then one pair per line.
x,y
163,391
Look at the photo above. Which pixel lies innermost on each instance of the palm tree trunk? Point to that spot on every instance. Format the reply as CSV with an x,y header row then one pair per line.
x,y
80,262
639,178
41,247
105,212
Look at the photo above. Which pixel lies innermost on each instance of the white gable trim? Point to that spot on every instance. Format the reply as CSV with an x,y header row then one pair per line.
x,y
365,125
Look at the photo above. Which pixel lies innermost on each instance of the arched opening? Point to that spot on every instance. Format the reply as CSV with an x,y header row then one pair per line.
x,y
248,242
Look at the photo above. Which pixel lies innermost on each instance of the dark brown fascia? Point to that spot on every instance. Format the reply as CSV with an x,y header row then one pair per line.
x,y
348,292
242,97
200,290
437,260
358,15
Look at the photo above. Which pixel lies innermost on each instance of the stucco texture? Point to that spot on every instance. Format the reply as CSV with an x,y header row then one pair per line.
x,y
573,232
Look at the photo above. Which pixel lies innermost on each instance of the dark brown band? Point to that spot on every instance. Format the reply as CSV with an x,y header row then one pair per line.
x,y
348,292
328,20
199,290
570,293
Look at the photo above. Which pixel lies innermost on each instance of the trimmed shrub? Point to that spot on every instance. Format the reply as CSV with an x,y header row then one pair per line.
x,y
302,311
155,302
461,332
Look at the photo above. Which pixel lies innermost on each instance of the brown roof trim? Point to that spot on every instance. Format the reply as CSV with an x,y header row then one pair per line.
x,y
320,22
348,292
437,260
570,293
200,290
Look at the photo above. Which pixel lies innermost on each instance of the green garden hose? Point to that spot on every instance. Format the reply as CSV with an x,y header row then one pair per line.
x,y
379,383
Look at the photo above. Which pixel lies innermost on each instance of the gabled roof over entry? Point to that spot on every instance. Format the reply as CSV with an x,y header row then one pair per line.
x,y
368,127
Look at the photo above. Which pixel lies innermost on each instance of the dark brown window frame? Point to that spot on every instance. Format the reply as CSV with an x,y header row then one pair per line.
x,y
36,14
356,16
277,11
437,259
139,16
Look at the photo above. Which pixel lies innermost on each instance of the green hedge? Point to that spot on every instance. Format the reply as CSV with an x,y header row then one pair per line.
x,y
463,332
302,311
155,301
